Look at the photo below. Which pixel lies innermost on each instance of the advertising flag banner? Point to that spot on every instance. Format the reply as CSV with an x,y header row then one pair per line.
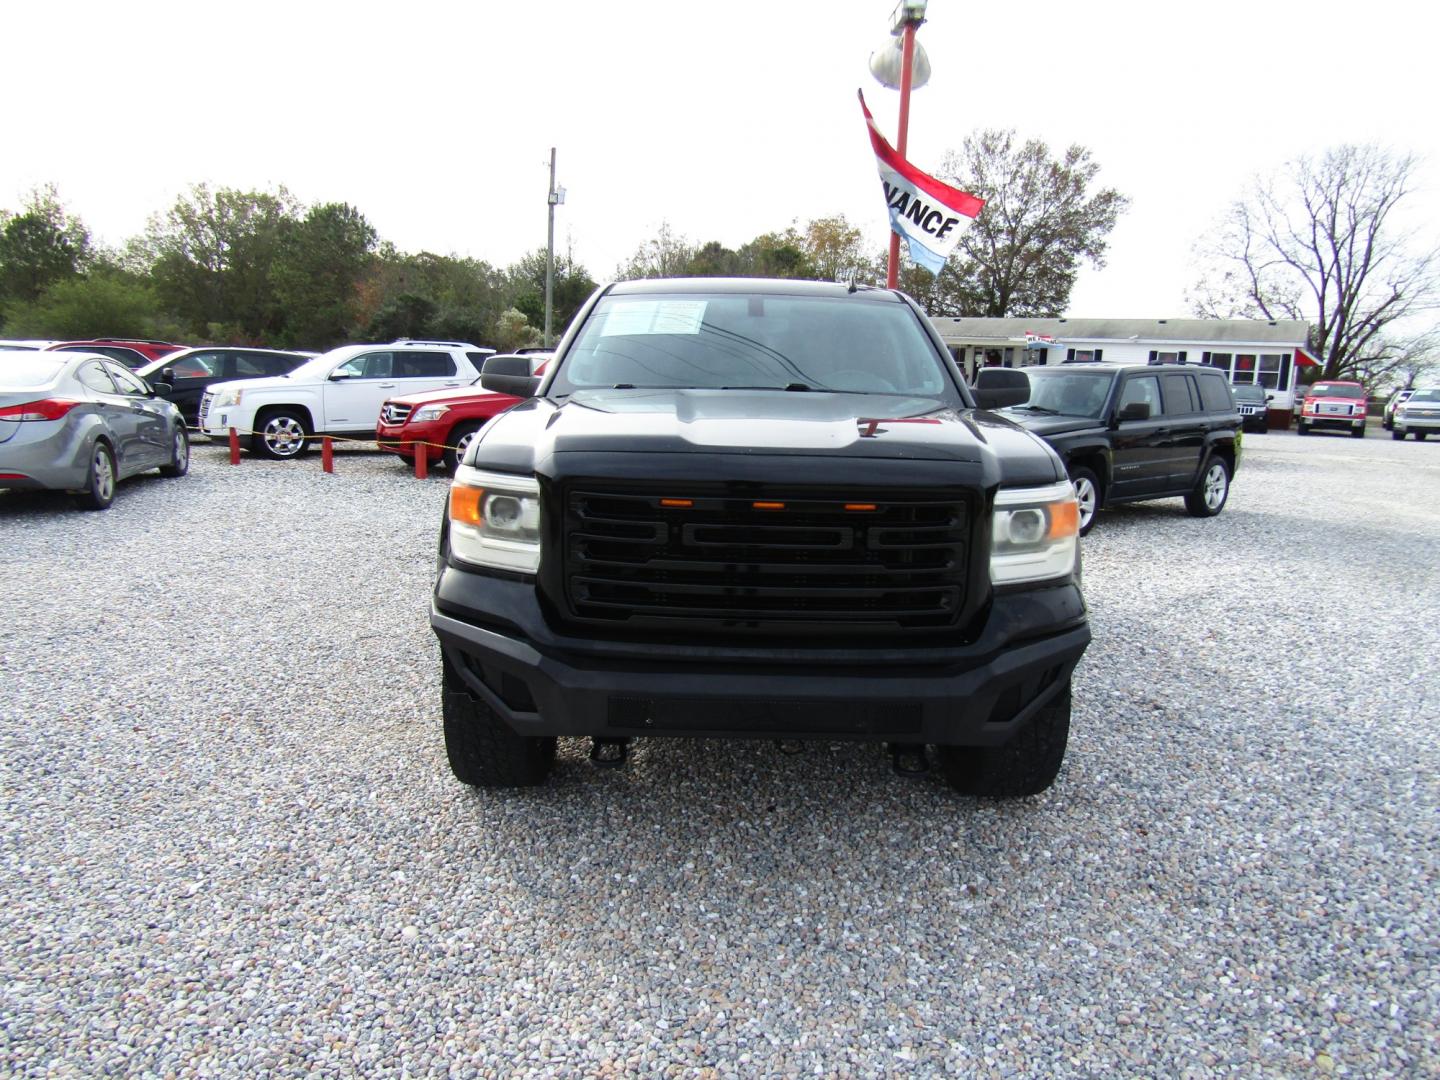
x,y
928,215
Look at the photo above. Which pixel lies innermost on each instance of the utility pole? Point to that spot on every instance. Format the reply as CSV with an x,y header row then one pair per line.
x,y
551,200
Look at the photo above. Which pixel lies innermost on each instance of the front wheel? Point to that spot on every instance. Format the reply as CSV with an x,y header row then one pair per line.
x,y
1210,492
1358,433
461,436
1398,436
1087,494
482,748
1301,428
280,435
1026,765
99,490
179,455
1420,436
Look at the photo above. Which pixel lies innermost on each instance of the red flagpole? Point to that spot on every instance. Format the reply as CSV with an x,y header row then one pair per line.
x,y
907,62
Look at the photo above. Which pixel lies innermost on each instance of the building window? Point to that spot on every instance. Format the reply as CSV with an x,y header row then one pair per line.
x,y
1271,372
1244,371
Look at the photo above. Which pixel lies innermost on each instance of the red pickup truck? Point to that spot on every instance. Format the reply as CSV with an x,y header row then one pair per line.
x,y
1336,406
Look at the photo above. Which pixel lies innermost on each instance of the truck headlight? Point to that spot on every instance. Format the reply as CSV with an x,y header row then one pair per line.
x,y
226,396
495,519
428,412
1035,534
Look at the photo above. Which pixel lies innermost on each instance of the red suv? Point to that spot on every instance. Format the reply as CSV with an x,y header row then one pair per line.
x,y
1336,405
132,352
446,420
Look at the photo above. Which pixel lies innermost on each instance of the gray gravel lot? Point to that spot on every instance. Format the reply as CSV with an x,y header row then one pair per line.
x,y
230,843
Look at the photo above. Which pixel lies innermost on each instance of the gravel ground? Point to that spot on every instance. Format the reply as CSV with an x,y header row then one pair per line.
x,y
230,844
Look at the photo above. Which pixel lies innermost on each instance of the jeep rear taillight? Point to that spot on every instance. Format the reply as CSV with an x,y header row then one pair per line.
x,y
44,409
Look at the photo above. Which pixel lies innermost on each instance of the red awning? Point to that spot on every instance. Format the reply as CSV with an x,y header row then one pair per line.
x,y
1304,359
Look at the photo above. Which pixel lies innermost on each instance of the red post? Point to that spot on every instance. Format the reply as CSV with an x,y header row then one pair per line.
x,y
327,454
422,460
234,447
907,68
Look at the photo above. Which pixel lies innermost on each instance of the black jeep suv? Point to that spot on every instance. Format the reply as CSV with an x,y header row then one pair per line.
x,y
1133,432
757,509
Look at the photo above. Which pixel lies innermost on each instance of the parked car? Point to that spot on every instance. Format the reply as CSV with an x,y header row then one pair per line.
x,y
1130,432
337,393
1398,398
756,509
446,421
133,353
1253,405
81,422
1419,416
23,344
183,376
1333,405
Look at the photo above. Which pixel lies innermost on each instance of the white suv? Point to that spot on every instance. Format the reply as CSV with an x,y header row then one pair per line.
x,y
337,393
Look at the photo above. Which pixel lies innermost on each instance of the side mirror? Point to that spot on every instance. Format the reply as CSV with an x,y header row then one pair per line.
x,y
1136,410
509,375
997,388
339,376
168,375
161,389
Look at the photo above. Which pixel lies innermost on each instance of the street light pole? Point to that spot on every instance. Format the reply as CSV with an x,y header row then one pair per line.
x,y
550,200
910,16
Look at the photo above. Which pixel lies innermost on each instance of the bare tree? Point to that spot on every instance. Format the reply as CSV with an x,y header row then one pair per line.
x,y
1322,241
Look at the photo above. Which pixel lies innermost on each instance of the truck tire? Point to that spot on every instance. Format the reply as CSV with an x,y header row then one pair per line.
x,y
1398,436
1420,436
1358,433
1301,428
459,440
1089,494
482,749
1211,491
280,434
1026,765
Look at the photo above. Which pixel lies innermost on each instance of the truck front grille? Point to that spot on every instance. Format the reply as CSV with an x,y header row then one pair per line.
x,y
205,401
767,557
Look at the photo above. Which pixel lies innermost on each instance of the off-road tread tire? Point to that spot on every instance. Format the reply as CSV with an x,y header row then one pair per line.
x,y
484,751
1026,765
175,469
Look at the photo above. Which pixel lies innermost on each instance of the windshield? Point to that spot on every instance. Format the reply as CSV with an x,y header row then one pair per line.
x,y
1424,395
22,373
1249,393
846,344
1335,390
1068,393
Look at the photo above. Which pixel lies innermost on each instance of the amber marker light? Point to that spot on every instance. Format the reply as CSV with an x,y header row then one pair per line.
x,y
768,506
465,503
1064,520
860,508
679,504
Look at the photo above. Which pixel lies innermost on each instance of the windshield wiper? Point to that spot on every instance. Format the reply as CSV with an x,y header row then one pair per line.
x,y
795,386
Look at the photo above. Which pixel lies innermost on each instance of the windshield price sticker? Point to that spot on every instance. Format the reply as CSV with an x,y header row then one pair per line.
x,y
630,317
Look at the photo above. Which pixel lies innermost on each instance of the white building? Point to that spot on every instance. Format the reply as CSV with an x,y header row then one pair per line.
x,y
1252,351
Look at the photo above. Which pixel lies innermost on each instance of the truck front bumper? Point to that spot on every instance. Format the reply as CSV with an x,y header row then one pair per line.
x,y
497,645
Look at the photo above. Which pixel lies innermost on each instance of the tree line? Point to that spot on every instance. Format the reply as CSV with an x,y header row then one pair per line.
x,y
1319,240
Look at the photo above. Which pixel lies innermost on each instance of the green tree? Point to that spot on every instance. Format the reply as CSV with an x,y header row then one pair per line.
x,y
1041,220
316,275
211,254
777,255
39,246
462,298
835,249
513,331
408,315
667,254
571,287
102,303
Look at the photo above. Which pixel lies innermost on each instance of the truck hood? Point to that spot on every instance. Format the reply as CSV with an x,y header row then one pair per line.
x,y
268,382
753,423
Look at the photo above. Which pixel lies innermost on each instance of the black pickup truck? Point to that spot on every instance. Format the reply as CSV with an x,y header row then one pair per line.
x,y
1130,432
757,509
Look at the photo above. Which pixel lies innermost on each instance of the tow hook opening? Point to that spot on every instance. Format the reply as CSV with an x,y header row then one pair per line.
x,y
909,759
609,753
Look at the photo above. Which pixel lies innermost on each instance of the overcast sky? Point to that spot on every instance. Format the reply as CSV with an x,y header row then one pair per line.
x,y
724,119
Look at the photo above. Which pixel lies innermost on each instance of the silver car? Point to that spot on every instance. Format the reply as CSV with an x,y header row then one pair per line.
x,y
82,422
1419,416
